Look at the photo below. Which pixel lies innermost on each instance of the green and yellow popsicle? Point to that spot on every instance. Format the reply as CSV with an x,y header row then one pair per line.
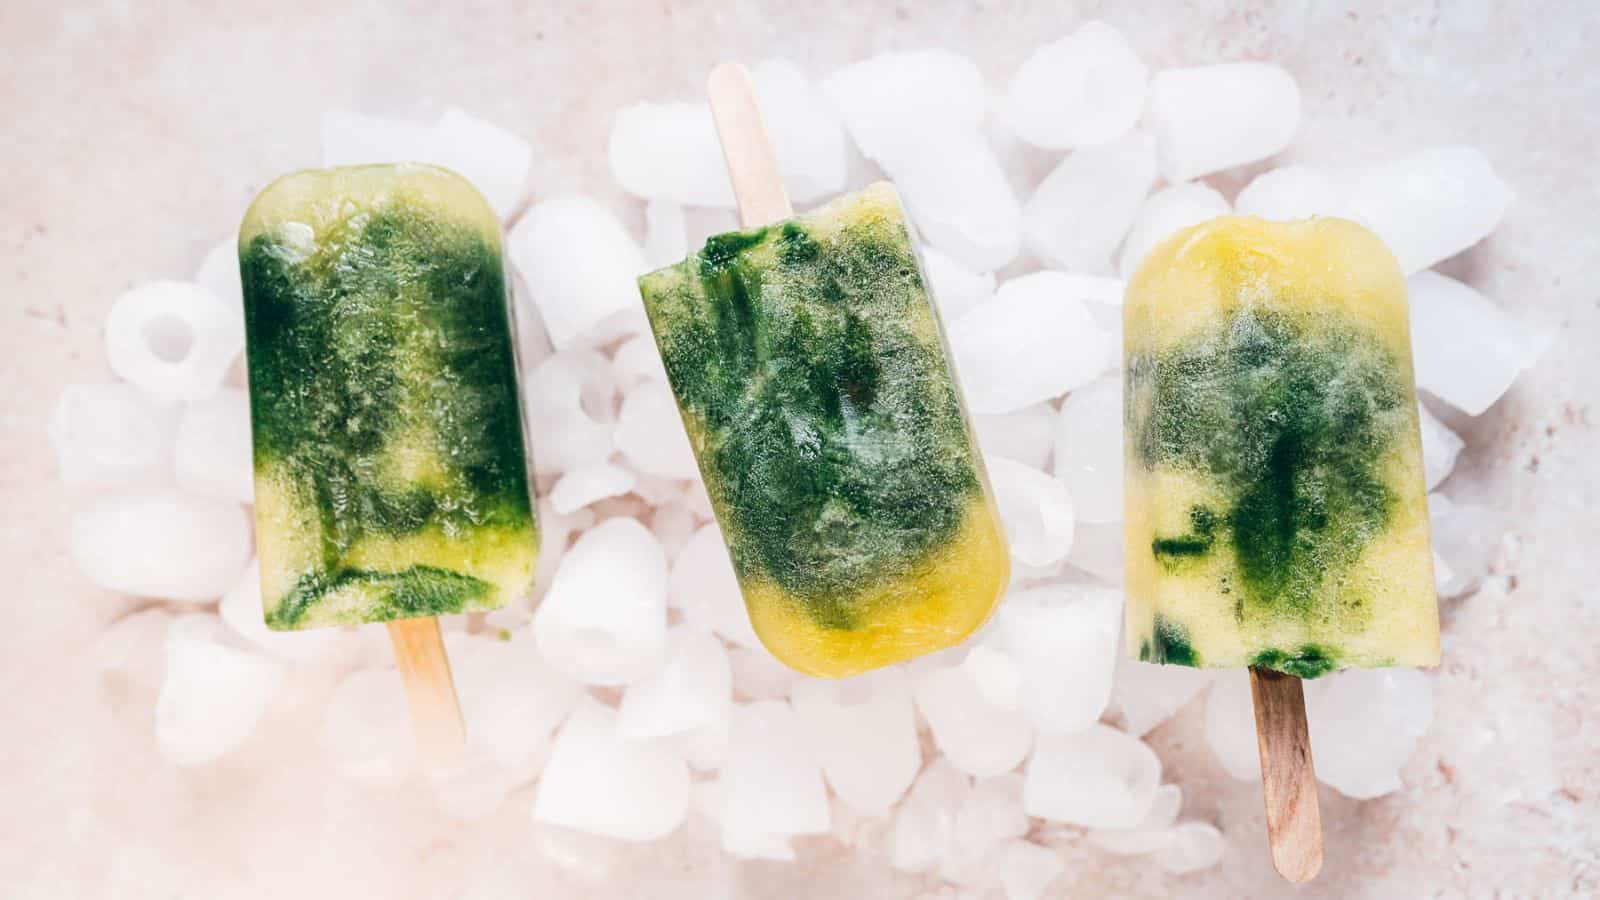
x,y
1276,509
813,378
391,465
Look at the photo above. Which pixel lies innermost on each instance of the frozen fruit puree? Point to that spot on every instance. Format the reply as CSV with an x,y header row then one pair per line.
x,y
810,368
1276,514
391,465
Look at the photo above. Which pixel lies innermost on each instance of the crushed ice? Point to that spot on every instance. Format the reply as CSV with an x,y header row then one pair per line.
x,y
634,696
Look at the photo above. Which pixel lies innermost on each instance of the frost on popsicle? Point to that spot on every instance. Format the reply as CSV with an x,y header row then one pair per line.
x,y
808,363
1276,509
391,475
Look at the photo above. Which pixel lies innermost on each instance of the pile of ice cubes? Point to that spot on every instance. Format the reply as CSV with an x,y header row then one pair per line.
x,y
628,698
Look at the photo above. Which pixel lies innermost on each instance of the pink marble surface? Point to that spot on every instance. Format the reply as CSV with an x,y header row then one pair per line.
x,y
135,132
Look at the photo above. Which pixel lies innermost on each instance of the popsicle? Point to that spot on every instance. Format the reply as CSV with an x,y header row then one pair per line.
x,y
391,466
1276,514
812,375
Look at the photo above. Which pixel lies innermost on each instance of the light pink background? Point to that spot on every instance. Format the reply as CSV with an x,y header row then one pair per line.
x,y
135,132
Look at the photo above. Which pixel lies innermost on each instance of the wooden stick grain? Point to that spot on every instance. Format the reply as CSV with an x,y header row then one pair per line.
x,y
1288,780
430,688
752,162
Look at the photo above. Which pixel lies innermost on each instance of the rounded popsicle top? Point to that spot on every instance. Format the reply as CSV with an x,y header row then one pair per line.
x,y
1308,268
323,201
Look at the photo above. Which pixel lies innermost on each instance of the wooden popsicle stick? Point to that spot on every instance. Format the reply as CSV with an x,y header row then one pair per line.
x,y
1288,781
430,688
752,162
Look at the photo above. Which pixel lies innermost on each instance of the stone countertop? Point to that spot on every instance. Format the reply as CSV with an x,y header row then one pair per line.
x,y
136,132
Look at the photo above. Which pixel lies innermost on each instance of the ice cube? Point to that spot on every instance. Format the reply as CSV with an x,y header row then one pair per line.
x,y
863,731
1464,536
161,543
1210,118
666,233
1149,694
218,274
704,587
924,825
579,264
511,699
997,675
1109,320
773,783
894,104
604,619
669,151
1097,778
1064,640
757,674
955,288
555,532
532,340
1032,341
1153,833
1440,447
132,646
242,611
975,735
586,484
1027,870
697,501
1097,549
975,218
211,451
1467,350
673,527
804,128
1291,192
173,339
1164,214
1231,725
635,360
862,833
580,379
1194,846
473,785
1444,577
692,692
495,160
1036,509
650,433
108,434
213,692
661,492
1024,575
600,783
1025,436
350,139
1080,91
570,435
705,749
1430,205
1365,725
1101,293
1088,450
990,814
367,728
1083,209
